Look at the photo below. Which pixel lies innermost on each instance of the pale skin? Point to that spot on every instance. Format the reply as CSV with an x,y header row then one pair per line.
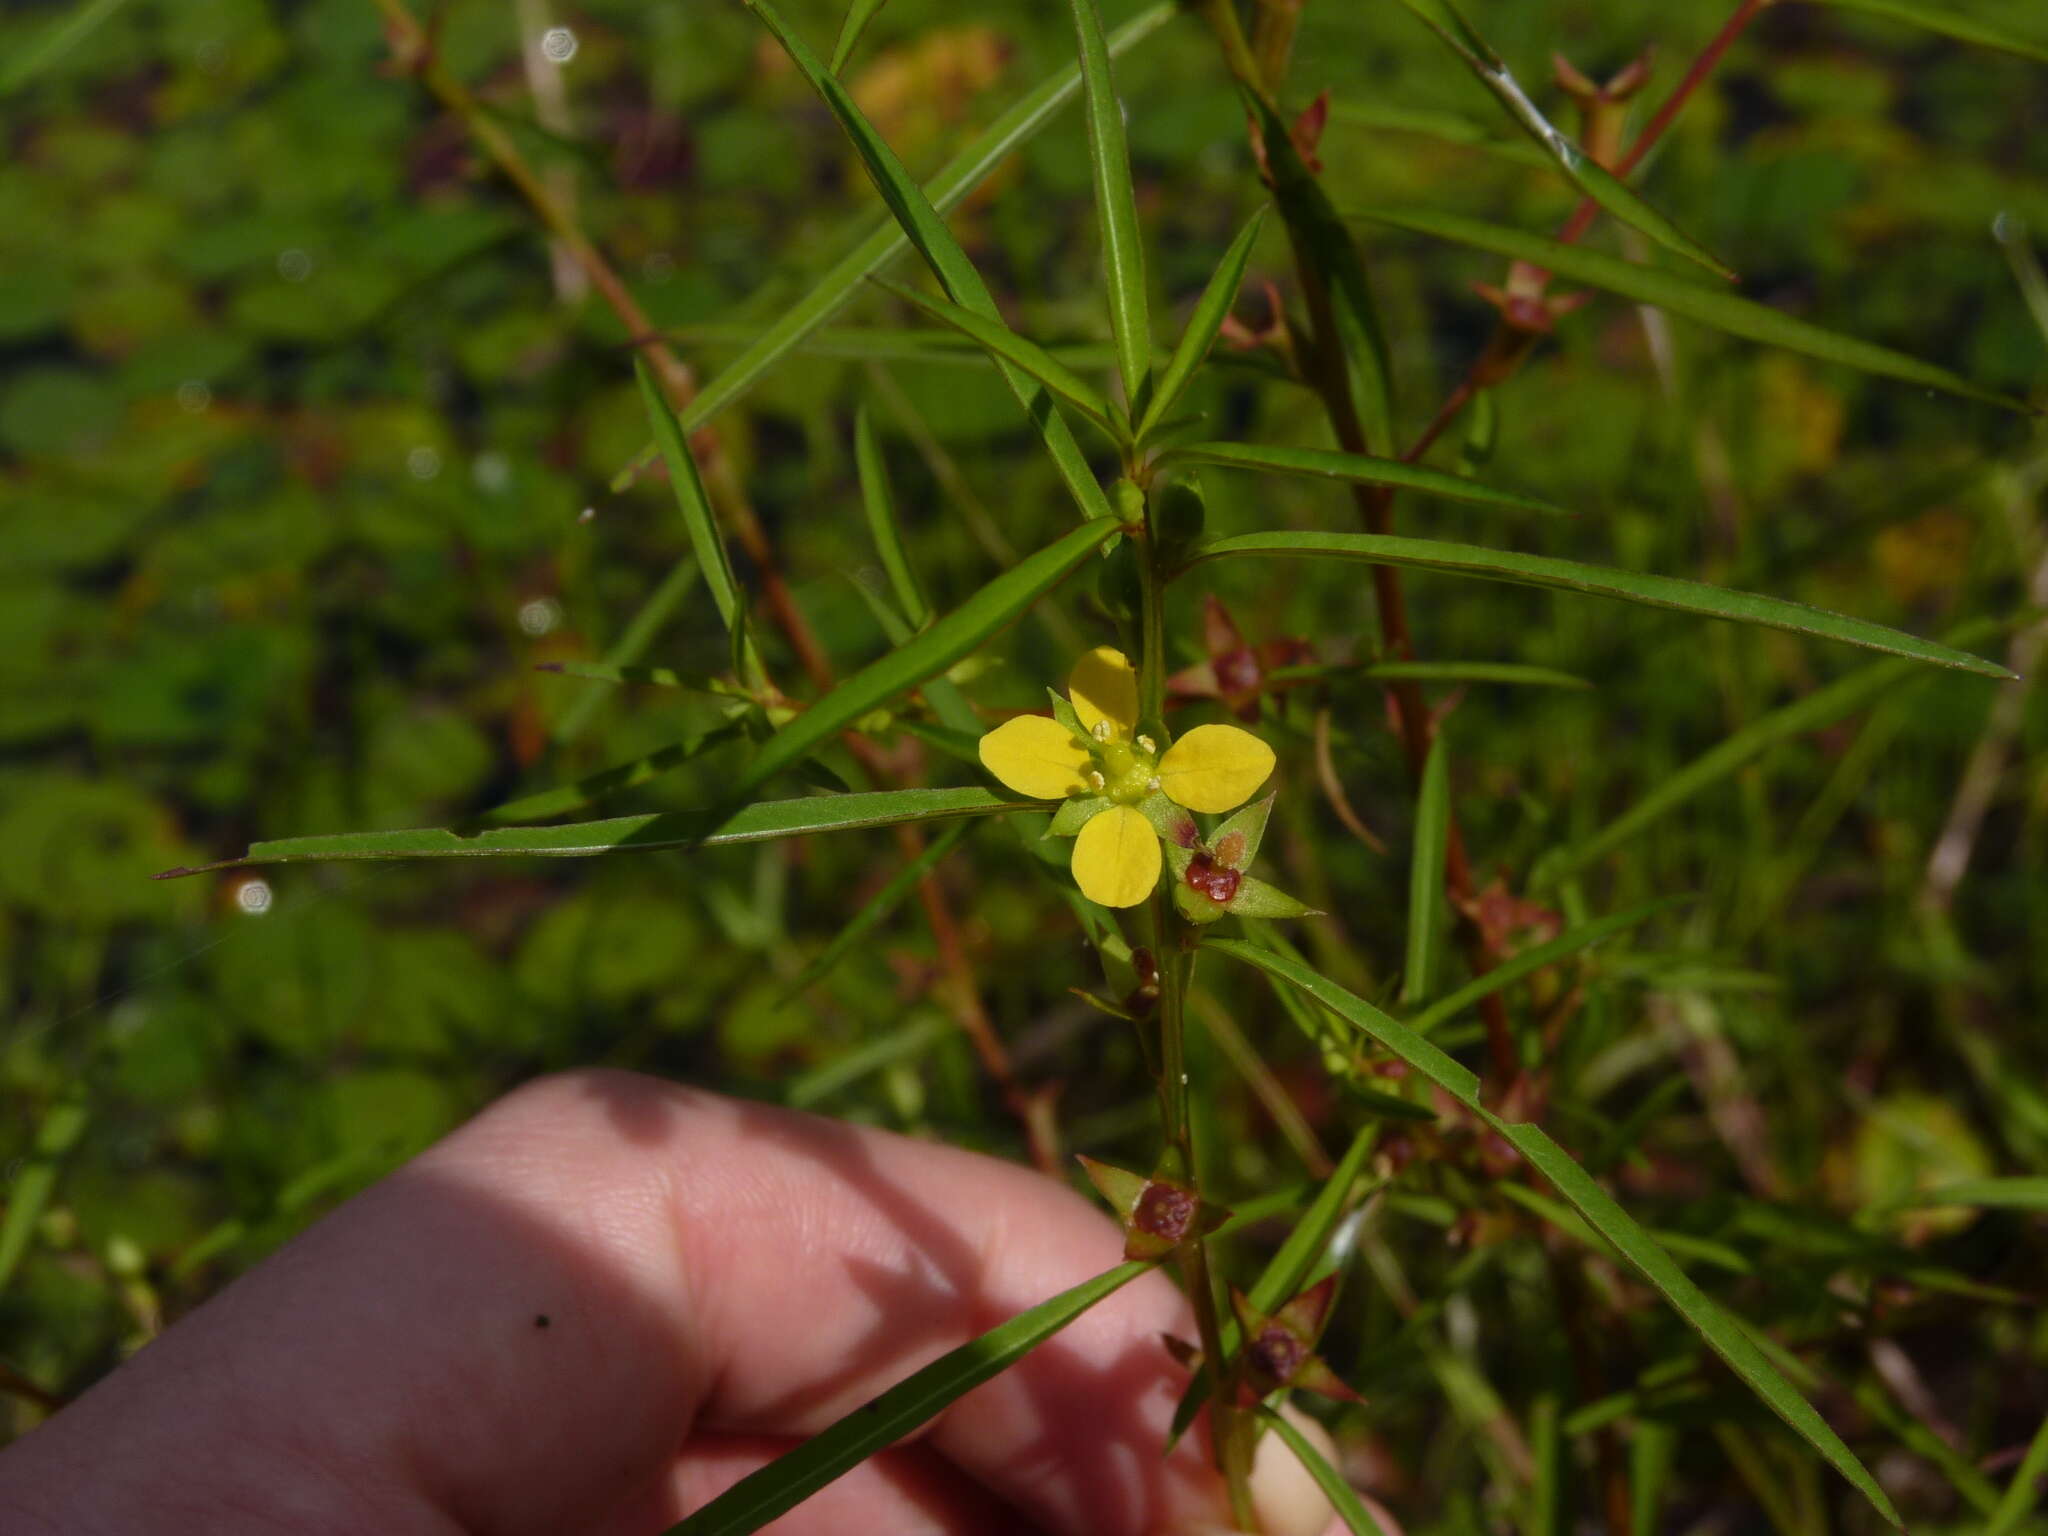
x,y
607,1298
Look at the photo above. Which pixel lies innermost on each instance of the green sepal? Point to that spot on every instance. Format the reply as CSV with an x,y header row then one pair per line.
x,y
1194,906
1174,825
1255,898
1063,712
1075,814
1236,843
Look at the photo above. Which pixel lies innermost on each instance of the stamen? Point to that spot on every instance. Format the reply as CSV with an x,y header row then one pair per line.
x,y
1095,777
1104,730
1153,782
1148,744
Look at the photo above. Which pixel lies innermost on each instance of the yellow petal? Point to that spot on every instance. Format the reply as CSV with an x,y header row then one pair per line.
x,y
1116,858
1105,687
1036,757
1214,768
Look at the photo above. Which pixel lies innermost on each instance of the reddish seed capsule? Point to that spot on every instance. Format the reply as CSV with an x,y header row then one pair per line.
x,y
1216,881
1165,1211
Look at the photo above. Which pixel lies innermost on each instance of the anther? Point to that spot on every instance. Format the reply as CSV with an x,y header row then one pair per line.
x,y
1103,730
1153,782
1095,778
1148,744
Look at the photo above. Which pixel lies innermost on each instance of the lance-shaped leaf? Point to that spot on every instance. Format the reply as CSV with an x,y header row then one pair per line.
x,y
928,232
1426,908
764,821
1721,1332
880,505
1688,300
1948,23
1433,123
1006,345
1340,296
1210,312
960,176
1357,1517
2024,1491
790,1479
1630,586
63,34
993,608
1366,469
1158,1214
1116,206
1535,958
654,677
1580,168
653,615
858,14
1510,672
31,1185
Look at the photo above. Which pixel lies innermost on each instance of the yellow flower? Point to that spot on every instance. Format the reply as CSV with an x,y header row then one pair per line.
x,y
1116,782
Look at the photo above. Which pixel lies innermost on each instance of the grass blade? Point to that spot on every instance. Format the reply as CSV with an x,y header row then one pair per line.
x,y
1535,958
2023,1493
2015,1194
1707,306
1210,312
961,175
1006,346
29,1191
1342,1496
56,40
761,822
880,503
1445,127
858,14
1720,1332
1581,169
992,608
1964,29
1453,1077
705,539
1693,597
609,781
878,908
928,232
790,1479
653,677
1426,876
910,1041
1327,464
1116,207
1512,672
1818,709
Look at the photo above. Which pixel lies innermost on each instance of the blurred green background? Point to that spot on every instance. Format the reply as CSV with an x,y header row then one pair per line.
x,y
304,447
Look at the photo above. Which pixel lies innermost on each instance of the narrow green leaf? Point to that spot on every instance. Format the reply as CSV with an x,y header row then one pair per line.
x,y
908,1043
1722,1333
858,14
656,677
610,781
891,344
1600,581
880,504
1535,958
29,1191
55,40
960,176
1006,345
1324,246
1708,306
1511,672
761,822
1116,206
1453,1077
705,539
877,908
1447,127
1211,309
652,617
1426,918
1566,1220
791,1478
1818,709
1327,464
1964,29
1342,1496
2023,1493
991,609
1580,168
928,232
2017,1194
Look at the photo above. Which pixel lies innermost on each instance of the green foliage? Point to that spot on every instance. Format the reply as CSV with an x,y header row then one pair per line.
x,y
307,421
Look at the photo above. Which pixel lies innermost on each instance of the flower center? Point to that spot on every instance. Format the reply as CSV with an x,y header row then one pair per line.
x,y
1129,773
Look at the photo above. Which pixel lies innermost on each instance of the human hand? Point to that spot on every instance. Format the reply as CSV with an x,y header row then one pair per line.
x,y
606,1299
